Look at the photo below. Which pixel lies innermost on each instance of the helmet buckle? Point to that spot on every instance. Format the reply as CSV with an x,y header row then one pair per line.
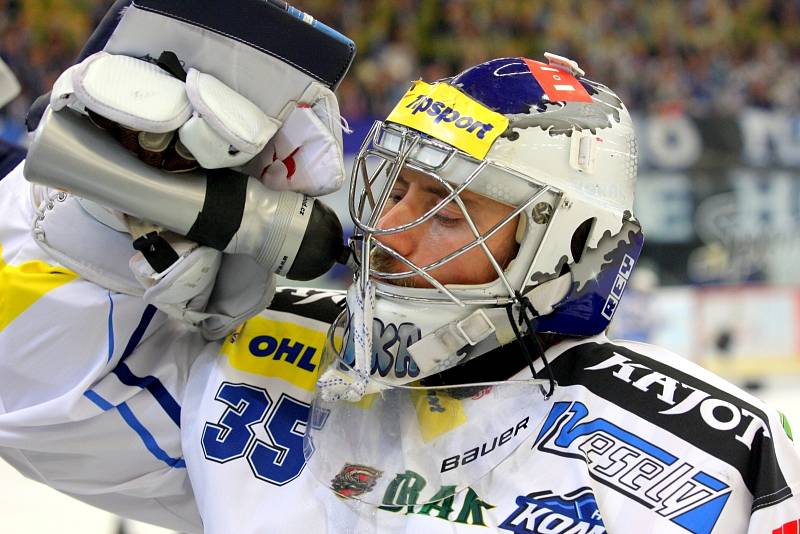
x,y
476,327
583,149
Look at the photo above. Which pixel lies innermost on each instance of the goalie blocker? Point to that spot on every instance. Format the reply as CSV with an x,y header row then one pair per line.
x,y
297,59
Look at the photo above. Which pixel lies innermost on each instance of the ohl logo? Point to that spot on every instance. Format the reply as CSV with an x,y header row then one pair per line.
x,y
284,349
547,512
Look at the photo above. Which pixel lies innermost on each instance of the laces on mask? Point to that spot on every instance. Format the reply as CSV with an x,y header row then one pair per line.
x,y
526,315
351,384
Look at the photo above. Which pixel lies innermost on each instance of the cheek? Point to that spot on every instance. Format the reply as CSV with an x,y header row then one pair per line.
x,y
442,240
503,244
472,267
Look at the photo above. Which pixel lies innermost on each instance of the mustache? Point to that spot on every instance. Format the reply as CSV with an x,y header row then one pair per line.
x,y
380,260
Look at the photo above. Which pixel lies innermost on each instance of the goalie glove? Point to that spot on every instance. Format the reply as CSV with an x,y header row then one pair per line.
x,y
267,110
210,291
201,122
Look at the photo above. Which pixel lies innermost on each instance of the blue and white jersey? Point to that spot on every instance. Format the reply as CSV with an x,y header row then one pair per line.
x,y
106,399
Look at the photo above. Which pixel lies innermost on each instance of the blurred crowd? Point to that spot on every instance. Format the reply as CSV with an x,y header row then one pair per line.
x,y
703,57
699,56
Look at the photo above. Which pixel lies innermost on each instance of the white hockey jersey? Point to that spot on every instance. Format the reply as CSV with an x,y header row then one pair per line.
x,y
107,400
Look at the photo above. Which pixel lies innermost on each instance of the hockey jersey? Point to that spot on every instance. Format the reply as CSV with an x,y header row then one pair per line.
x,y
106,399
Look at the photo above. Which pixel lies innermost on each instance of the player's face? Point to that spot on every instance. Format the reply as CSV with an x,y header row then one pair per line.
x,y
412,196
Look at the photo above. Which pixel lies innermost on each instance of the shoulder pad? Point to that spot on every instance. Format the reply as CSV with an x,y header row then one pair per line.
x,y
322,305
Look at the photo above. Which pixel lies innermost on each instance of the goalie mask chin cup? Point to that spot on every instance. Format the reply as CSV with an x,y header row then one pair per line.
x,y
436,438
539,137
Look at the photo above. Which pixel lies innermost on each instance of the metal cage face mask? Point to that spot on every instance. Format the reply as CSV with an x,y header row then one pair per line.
x,y
561,171
386,152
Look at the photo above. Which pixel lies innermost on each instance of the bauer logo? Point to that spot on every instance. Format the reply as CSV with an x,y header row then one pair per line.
x,y
545,511
642,471
444,112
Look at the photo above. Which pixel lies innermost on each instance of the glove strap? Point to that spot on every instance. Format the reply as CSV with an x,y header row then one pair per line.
x,y
169,62
156,250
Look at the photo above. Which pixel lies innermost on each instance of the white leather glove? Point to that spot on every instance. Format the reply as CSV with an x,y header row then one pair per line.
x,y
177,126
216,127
206,289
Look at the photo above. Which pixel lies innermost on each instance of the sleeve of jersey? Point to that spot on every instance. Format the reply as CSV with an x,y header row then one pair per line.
x,y
779,511
91,382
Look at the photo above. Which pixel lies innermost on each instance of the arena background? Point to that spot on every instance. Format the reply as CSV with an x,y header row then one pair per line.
x,y
714,87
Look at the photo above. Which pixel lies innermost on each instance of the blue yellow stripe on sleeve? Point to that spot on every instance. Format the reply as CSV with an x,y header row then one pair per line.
x,y
22,285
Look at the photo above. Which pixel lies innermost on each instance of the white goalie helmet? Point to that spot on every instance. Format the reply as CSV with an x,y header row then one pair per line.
x,y
539,137
557,153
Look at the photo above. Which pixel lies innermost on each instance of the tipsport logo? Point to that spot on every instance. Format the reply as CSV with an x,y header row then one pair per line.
x,y
640,470
547,512
441,112
445,113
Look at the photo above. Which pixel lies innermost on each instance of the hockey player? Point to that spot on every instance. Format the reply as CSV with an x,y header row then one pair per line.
x,y
463,383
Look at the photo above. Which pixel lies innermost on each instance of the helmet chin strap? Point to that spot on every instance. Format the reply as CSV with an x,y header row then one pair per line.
x,y
526,315
486,329
452,344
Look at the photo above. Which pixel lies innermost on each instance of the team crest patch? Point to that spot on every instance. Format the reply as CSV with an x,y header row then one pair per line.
x,y
545,511
354,480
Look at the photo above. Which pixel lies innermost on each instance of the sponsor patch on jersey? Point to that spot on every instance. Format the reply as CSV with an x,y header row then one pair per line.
x,y
545,511
409,488
635,467
22,285
276,349
719,422
442,111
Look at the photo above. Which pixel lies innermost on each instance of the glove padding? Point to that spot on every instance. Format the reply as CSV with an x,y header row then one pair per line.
x,y
178,125
205,288
216,126
208,290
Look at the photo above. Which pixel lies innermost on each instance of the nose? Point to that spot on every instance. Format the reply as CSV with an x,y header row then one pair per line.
x,y
398,214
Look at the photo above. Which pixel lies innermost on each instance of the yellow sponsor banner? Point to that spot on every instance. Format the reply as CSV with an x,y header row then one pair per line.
x,y
276,349
22,285
442,111
437,413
